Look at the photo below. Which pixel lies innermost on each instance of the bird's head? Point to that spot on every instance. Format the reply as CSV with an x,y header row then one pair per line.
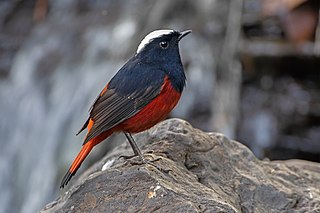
x,y
161,45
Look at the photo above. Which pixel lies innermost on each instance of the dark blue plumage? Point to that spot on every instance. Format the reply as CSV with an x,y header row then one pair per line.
x,y
150,66
138,82
139,76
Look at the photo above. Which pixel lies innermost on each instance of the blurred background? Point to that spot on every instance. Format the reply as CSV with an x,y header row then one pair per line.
x,y
252,68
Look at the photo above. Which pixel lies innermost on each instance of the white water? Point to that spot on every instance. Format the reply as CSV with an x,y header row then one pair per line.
x,y
42,107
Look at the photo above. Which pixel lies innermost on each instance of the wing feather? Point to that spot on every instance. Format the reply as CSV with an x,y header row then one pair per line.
x,y
111,108
134,86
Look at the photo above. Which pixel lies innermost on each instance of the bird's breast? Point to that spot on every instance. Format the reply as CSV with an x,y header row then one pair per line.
x,y
156,111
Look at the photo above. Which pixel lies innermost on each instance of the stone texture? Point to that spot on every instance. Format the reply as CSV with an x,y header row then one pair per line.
x,y
208,173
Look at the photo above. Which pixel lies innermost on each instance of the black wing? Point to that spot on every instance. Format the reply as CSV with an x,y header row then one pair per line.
x,y
131,89
111,109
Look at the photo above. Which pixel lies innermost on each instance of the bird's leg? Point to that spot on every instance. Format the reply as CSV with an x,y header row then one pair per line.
x,y
133,144
137,152
134,147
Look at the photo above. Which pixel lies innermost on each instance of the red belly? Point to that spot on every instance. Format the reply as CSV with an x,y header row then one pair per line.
x,y
157,110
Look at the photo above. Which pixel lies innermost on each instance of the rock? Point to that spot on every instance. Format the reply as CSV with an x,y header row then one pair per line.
x,y
208,173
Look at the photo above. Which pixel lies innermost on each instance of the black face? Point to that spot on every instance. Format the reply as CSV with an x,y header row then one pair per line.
x,y
162,54
162,48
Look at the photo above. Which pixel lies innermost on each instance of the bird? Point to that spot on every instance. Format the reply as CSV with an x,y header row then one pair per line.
x,y
141,94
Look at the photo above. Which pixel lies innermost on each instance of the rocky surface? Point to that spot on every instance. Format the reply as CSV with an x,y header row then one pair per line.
x,y
208,173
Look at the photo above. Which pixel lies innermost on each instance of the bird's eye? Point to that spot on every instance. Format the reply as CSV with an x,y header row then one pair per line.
x,y
164,44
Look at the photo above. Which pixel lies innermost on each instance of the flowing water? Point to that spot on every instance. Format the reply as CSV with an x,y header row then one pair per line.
x,y
44,103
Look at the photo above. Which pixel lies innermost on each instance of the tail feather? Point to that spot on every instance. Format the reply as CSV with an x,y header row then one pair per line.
x,y
86,148
83,127
77,162
67,177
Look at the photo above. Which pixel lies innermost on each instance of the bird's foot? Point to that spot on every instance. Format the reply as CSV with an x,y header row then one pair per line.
x,y
150,162
127,157
156,166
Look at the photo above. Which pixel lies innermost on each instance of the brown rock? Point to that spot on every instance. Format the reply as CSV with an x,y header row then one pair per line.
x,y
209,173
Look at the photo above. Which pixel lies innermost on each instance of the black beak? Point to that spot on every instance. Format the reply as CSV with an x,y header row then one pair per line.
x,y
183,34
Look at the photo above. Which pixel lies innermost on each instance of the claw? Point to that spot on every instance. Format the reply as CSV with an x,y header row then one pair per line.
x,y
137,152
127,157
150,162
156,166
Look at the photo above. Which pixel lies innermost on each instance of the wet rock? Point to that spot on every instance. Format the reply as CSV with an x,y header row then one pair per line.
x,y
208,173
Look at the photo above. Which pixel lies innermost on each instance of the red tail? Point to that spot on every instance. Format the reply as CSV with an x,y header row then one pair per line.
x,y
86,148
77,162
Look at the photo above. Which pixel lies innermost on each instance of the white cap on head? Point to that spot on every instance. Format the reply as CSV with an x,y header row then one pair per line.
x,y
151,36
